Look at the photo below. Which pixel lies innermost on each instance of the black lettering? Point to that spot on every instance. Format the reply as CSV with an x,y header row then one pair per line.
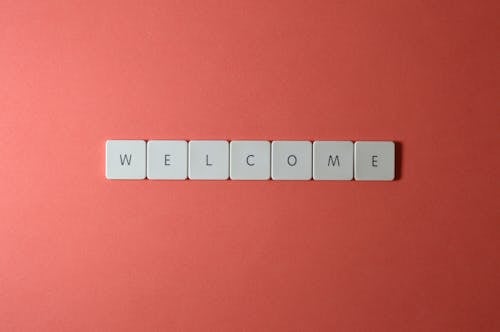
x,y
334,161
206,158
125,159
374,161
294,160
248,162
167,160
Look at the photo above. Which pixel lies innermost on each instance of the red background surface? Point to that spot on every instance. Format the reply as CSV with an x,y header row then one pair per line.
x,y
80,253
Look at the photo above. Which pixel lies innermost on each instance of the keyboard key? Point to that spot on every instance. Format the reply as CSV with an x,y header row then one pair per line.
x,y
291,160
332,160
208,160
167,160
250,160
374,161
125,159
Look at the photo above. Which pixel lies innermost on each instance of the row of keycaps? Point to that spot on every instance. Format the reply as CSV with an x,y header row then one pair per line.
x,y
249,160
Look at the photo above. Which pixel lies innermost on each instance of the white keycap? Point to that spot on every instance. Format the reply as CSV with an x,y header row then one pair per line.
x,y
332,160
126,159
250,160
167,160
374,160
208,160
291,160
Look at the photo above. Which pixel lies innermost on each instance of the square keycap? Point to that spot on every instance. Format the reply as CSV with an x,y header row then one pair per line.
x,y
167,160
332,160
250,160
291,160
208,160
374,160
125,159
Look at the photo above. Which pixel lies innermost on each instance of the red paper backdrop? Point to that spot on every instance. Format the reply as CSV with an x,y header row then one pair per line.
x,y
80,253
